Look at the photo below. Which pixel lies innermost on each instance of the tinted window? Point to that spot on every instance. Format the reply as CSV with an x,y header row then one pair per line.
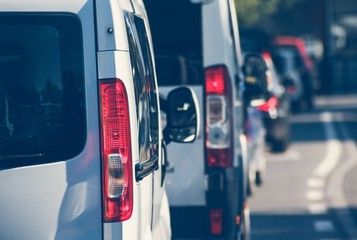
x,y
176,27
145,87
177,37
178,70
42,115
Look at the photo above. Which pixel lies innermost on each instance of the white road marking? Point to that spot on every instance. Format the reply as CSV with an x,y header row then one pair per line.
x,y
318,208
334,148
314,195
324,226
316,183
335,187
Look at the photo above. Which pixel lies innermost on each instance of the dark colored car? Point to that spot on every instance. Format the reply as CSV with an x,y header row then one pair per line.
x,y
276,109
301,63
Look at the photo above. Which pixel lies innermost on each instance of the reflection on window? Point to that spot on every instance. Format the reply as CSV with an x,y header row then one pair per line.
x,y
41,88
145,87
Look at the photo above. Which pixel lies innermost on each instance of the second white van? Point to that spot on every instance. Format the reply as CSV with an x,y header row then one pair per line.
x,y
196,43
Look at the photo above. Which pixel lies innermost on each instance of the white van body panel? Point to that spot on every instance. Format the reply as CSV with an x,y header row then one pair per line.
x,y
218,43
193,188
59,203
110,24
150,218
63,197
162,230
23,181
217,50
45,6
160,210
218,47
140,221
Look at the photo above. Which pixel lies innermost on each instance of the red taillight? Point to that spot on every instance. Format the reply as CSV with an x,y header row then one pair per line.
x,y
216,221
216,80
269,105
266,56
219,157
116,151
219,114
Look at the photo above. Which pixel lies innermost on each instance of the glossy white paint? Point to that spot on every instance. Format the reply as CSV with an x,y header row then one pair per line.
x,y
43,6
60,200
150,218
187,180
63,200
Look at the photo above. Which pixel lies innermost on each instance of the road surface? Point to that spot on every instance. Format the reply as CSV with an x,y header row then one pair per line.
x,y
311,189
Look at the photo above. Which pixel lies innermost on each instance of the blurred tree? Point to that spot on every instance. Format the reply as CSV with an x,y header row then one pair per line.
x,y
254,13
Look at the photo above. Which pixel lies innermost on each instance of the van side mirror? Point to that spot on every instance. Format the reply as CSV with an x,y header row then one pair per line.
x,y
182,116
255,79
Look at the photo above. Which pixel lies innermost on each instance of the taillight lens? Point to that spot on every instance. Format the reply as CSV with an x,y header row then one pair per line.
x,y
216,80
270,105
219,157
116,151
219,127
216,221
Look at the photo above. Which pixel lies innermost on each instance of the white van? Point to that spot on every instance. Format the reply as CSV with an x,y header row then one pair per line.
x,y
196,43
81,140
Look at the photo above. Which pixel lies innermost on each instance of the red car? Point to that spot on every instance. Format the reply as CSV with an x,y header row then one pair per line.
x,y
303,65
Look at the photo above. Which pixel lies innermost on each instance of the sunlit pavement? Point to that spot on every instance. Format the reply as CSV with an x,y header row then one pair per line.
x,y
311,189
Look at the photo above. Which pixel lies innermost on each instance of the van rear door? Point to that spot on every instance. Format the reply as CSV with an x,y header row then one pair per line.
x,y
49,141
125,53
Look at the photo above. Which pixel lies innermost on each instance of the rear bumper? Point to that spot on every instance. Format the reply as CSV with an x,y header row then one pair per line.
x,y
223,191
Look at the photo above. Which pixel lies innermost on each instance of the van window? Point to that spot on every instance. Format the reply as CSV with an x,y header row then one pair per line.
x,y
177,37
145,87
42,110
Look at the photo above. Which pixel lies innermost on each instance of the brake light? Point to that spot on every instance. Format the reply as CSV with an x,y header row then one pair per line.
x,y
116,151
270,105
215,80
292,90
216,221
266,56
219,123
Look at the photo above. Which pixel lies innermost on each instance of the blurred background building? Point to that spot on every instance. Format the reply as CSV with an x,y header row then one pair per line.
x,y
328,27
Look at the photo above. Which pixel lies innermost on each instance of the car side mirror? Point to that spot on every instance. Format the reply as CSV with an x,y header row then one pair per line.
x,y
255,79
182,116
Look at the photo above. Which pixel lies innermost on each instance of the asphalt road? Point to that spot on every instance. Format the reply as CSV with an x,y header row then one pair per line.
x,y
311,189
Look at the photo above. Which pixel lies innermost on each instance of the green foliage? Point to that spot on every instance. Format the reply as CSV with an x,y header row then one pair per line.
x,y
253,13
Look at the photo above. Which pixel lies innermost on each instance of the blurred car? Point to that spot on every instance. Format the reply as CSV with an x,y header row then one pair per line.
x,y
197,44
315,50
276,109
284,59
302,65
